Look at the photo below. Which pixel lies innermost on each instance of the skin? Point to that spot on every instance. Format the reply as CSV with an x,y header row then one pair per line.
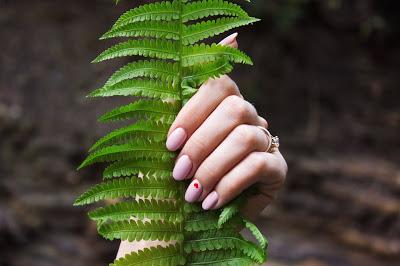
x,y
220,139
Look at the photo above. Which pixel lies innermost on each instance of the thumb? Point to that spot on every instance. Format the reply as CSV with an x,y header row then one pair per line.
x,y
231,40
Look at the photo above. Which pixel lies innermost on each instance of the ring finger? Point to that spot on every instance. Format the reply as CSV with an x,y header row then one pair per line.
x,y
243,140
233,111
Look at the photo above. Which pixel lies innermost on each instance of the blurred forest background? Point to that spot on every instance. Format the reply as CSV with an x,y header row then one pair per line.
x,y
326,76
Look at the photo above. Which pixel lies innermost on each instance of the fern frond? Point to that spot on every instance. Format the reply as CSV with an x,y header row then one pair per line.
x,y
138,87
154,29
148,168
189,208
206,221
230,211
197,74
219,258
202,53
150,69
138,183
205,29
129,187
154,256
206,8
133,150
256,233
224,239
165,11
161,49
144,129
201,222
152,109
138,230
140,209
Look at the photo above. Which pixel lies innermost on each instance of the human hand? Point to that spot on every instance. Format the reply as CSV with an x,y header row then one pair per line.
x,y
223,149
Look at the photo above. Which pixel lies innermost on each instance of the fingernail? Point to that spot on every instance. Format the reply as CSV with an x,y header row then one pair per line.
x,y
210,201
230,39
182,168
194,191
176,139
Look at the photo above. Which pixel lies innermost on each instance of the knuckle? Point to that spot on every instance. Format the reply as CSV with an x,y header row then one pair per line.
x,y
230,188
238,108
228,86
194,146
224,85
283,172
259,162
209,171
246,135
264,122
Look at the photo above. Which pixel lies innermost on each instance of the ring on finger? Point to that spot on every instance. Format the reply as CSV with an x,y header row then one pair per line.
x,y
273,142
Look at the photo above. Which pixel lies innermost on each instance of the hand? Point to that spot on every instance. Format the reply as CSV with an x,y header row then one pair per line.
x,y
223,150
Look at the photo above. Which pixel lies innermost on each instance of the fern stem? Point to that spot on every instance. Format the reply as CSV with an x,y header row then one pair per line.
x,y
181,185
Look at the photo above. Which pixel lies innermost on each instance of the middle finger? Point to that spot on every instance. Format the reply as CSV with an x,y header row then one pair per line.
x,y
233,111
242,141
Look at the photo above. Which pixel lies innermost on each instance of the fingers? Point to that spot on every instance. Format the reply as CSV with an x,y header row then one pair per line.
x,y
263,122
268,168
222,147
231,40
243,140
198,108
233,111
202,104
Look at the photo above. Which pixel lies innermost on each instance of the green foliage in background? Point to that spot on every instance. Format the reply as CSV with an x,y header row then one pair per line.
x,y
150,203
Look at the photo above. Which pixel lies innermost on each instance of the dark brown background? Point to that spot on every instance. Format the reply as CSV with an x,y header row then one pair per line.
x,y
326,76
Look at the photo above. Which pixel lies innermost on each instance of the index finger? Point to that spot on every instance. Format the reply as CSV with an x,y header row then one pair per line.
x,y
202,104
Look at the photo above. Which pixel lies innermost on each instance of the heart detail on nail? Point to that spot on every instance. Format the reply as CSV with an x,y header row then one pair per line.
x,y
196,185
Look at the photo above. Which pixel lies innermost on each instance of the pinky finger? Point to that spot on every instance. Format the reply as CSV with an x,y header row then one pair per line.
x,y
249,171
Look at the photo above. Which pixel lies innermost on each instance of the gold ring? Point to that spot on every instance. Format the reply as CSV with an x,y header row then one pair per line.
x,y
273,142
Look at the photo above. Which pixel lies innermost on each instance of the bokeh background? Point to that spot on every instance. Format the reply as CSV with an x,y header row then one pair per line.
x,y
326,76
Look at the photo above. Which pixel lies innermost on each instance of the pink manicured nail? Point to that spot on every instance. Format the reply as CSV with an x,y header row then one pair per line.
x,y
176,139
182,168
210,201
230,39
194,191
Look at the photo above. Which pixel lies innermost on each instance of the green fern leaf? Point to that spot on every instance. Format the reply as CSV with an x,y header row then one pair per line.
x,y
201,222
144,129
230,211
206,8
129,187
148,168
150,69
152,109
154,256
224,239
148,48
202,53
189,208
139,87
154,29
207,221
138,230
206,29
129,151
197,74
141,209
138,174
256,233
219,258
164,11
